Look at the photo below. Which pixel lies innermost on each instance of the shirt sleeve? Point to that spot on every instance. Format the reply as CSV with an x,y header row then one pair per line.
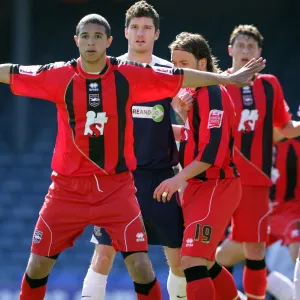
x,y
281,109
151,83
213,132
40,81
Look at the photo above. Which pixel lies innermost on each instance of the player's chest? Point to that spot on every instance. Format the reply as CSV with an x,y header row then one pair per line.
x,y
253,108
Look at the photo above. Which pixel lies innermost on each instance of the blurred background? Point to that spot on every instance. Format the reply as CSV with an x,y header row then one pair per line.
x,y
41,31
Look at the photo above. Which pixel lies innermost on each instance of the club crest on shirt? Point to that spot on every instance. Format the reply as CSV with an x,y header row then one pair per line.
x,y
215,118
94,100
247,96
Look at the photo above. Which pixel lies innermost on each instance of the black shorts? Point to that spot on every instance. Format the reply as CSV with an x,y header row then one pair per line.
x,y
163,221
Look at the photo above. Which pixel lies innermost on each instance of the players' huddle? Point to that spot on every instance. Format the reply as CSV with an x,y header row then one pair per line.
x,y
116,151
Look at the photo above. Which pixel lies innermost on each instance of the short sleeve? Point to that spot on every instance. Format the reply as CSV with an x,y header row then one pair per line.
x,y
281,109
38,81
151,83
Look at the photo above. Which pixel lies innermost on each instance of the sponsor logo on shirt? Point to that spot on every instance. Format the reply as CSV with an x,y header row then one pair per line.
x,y
94,125
248,120
37,236
156,113
215,118
94,87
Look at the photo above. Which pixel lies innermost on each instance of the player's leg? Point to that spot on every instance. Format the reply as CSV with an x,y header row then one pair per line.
x,y
59,224
250,225
121,217
207,208
164,225
95,281
176,283
230,253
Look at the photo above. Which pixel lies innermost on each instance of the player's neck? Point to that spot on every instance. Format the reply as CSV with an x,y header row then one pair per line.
x,y
145,57
234,68
95,67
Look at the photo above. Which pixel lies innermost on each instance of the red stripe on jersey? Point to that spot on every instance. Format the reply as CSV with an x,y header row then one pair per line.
x,y
110,107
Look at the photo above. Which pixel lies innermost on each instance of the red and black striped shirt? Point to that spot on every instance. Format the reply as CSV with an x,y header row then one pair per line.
x,y
286,171
259,108
95,127
209,133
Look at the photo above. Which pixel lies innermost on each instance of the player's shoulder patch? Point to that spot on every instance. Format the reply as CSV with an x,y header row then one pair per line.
x,y
215,118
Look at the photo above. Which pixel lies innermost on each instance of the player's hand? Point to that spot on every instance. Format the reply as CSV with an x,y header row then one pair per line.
x,y
167,188
243,76
186,101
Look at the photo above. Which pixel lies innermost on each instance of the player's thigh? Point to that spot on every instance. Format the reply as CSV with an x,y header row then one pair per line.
x,y
250,220
163,221
229,253
62,219
120,215
207,208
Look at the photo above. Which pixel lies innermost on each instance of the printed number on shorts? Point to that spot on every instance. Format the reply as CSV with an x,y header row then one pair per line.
x,y
205,233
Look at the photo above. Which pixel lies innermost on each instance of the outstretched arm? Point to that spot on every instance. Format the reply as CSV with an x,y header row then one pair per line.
x,y
242,77
5,72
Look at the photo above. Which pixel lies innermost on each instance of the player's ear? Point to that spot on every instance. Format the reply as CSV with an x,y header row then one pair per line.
x,y
76,40
157,33
230,50
126,33
109,41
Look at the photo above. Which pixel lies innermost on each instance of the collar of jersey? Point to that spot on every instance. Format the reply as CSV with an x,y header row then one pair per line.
x,y
93,76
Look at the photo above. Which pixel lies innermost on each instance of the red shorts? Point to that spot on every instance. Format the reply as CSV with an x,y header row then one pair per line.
x,y
250,220
207,208
285,223
72,203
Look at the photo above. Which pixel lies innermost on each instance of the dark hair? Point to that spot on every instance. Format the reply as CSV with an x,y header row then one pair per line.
x,y
248,30
94,19
142,9
198,46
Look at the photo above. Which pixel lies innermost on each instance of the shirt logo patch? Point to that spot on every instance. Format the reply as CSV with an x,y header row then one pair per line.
x,y
156,113
164,70
215,118
94,100
248,120
29,70
37,236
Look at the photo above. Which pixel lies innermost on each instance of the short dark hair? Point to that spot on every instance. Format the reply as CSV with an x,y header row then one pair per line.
x,y
248,30
198,46
94,19
142,9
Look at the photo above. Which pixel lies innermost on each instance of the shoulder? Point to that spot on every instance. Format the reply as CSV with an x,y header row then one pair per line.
x,y
268,77
157,61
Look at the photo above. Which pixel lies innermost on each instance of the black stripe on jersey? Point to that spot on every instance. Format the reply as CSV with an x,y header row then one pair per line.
x,y
247,137
215,102
96,142
70,107
222,174
291,173
182,147
267,138
232,164
122,98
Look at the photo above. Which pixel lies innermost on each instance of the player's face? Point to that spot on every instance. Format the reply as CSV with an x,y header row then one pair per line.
x,y
244,49
141,34
184,59
92,42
